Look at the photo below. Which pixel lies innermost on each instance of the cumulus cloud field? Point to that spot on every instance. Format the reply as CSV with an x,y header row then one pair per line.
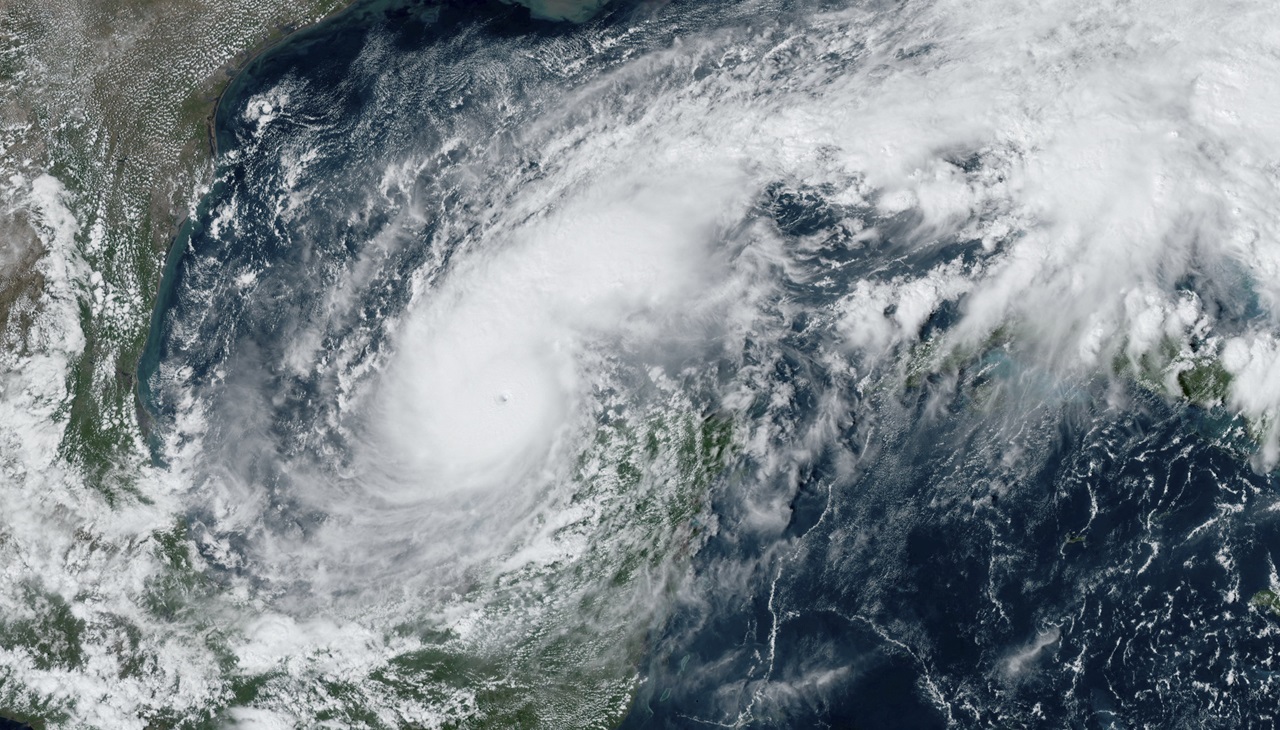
x,y
605,276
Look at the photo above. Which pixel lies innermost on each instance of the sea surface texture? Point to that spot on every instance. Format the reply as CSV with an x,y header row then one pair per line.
x,y
747,364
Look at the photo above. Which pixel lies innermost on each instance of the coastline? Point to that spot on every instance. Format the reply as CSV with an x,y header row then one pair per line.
x,y
223,80
226,75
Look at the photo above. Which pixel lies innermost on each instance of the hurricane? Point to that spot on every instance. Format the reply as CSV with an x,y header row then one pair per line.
x,y
768,363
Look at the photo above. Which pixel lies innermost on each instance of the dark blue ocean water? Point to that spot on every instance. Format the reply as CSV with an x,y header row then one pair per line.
x,y
1054,562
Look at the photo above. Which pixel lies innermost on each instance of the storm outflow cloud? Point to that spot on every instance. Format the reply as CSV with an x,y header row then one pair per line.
x,y
1091,160
480,341
489,372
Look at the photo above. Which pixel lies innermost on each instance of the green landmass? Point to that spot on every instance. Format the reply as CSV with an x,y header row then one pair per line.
x,y
1206,382
114,99
1267,600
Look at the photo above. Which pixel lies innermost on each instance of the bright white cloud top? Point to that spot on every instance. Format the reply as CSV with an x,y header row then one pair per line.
x,y
464,374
